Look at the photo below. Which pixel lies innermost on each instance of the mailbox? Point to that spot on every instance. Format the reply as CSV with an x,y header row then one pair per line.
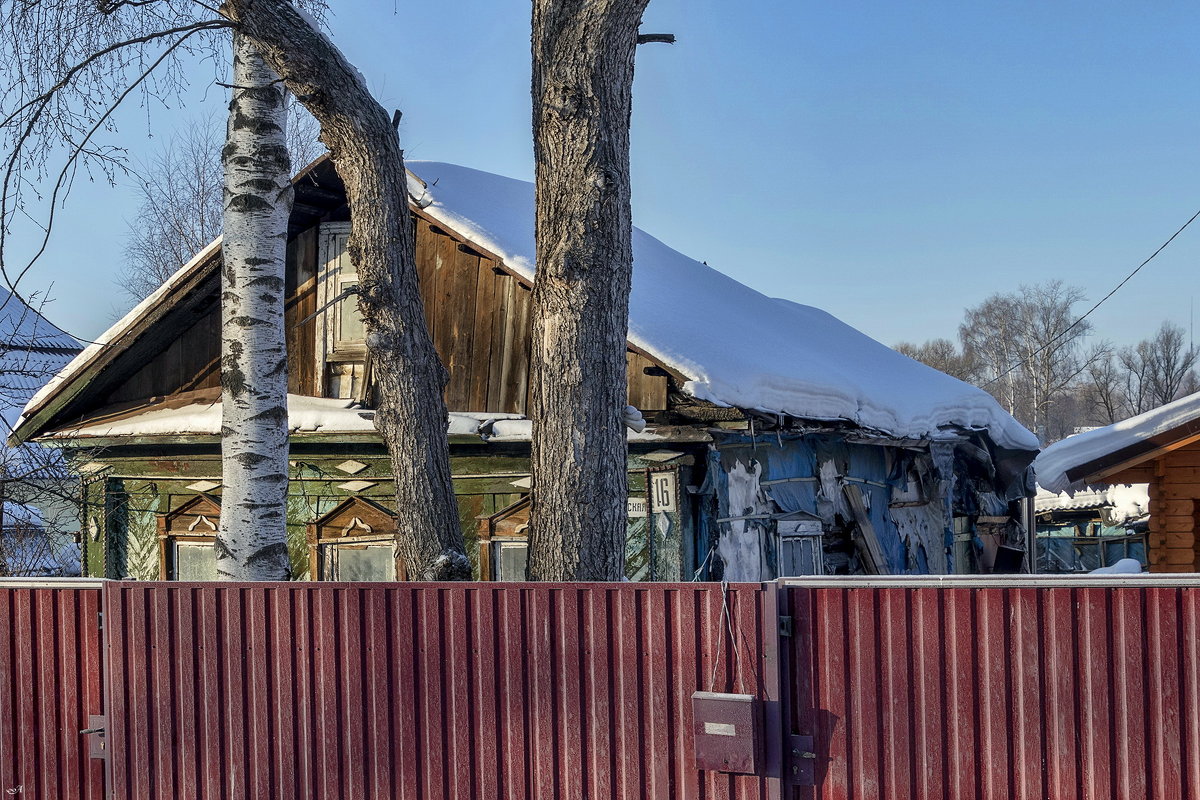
x,y
728,732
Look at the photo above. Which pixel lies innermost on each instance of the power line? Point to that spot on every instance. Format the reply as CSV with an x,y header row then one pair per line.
x,y
1099,302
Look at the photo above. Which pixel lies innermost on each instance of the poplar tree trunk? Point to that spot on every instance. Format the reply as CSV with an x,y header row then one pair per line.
x,y
252,541
410,380
583,53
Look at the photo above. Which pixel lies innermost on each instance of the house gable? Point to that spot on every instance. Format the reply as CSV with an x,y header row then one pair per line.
x,y
477,310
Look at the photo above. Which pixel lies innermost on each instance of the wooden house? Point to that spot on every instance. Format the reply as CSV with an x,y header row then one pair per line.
x,y
1160,448
778,438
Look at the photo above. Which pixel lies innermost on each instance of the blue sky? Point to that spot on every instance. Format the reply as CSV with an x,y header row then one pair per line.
x,y
890,163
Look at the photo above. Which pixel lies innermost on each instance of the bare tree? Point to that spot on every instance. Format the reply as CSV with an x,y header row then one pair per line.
x,y
180,201
1104,391
1029,347
583,54
1171,359
412,415
941,354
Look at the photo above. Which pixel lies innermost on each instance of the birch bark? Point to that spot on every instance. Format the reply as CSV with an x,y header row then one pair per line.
x,y
411,415
252,540
583,53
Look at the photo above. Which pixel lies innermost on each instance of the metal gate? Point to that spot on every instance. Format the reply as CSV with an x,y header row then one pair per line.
x,y
972,687
51,679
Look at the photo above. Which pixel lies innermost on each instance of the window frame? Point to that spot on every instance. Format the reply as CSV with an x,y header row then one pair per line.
x,y
331,282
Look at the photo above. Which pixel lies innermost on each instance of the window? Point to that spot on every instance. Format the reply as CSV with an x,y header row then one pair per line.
x,y
800,550
366,561
503,548
195,561
341,338
356,541
186,537
511,558
1057,552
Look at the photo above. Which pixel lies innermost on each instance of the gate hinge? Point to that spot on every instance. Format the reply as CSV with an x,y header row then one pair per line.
x,y
785,626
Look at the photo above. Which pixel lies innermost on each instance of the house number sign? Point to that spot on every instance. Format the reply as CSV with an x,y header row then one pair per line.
x,y
663,487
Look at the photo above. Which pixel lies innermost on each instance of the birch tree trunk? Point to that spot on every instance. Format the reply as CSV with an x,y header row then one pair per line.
x,y
410,379
252,541
583,53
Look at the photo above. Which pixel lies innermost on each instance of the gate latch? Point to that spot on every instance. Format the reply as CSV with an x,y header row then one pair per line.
x,y
97,745
800,767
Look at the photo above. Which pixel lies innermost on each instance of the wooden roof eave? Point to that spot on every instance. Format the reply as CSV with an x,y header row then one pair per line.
x,y
49,412
45,414
1100,469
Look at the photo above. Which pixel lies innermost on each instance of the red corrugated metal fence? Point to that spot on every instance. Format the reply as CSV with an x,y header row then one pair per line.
x,y
427,690
1004,692
907,688
50,682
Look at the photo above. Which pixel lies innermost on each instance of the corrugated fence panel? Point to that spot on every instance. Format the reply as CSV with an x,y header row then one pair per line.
x,y
1015,692
50,682
428,690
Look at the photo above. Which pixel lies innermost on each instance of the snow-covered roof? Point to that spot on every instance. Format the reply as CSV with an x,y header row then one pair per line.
x,y
1053,464
23,328
32,351
738,346
1127,501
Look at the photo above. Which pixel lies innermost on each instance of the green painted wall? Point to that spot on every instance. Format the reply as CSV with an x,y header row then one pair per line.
x,y
122,506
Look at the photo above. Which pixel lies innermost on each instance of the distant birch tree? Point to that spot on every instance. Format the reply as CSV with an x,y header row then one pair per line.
x,y
583,55
1028,346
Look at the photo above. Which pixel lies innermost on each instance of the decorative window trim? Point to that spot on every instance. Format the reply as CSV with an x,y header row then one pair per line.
x,y
376,523
508,526
194,522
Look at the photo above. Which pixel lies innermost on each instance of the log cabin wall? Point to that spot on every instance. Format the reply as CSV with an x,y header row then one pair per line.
x,y
1174,480
478,314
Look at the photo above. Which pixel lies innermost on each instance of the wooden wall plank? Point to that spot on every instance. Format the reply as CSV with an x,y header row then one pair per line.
x,y
482,330
426,245
459,313
519,385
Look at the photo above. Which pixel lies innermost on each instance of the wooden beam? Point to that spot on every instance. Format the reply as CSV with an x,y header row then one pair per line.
x,y
1153,451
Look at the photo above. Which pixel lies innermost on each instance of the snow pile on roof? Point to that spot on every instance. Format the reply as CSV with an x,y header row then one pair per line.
x,y
1128,502
305,415
737,346
1125,566
1052,465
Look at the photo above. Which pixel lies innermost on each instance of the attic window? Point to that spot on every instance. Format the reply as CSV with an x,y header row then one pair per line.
x,y
341,339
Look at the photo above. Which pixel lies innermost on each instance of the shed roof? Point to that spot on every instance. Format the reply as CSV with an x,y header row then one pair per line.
x,y
1090,456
